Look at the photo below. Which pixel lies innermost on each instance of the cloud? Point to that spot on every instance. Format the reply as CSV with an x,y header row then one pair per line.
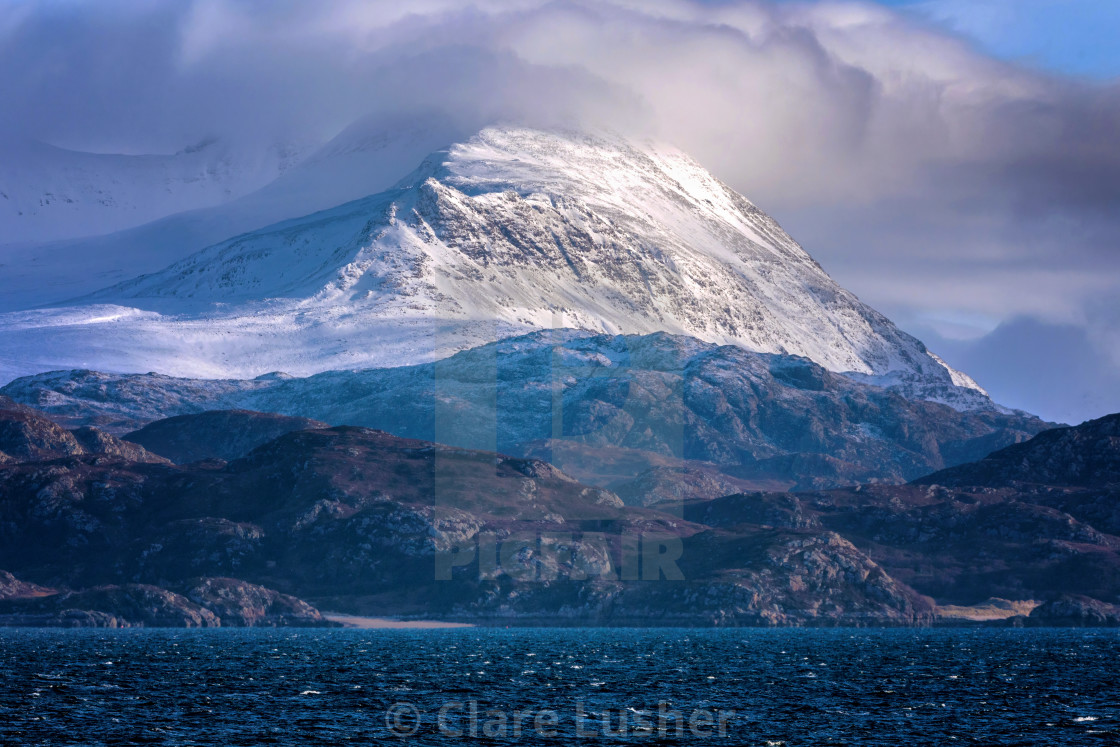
x,y
932,180
1054,370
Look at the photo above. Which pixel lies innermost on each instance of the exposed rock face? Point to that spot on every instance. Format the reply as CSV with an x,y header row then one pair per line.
x,y
219,434
958,546
199,545
13,588
205,602
26,435
244,605
1085,456
750,578
346,514
130,605
774,421
1075,611
794,578
95,441
1044,521
74,518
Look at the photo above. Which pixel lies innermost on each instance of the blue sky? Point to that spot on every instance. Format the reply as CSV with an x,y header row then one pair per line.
x,y
1075,37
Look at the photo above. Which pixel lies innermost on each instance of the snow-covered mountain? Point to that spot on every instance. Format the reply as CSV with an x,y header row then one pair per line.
x,y
508,231
367,157
50,193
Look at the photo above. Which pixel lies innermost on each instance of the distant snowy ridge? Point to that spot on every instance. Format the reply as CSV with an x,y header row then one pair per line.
x,y
49,193
366,158
511,230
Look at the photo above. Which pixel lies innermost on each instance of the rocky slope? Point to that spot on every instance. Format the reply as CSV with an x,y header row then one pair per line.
x,y
1075,611
245,605
130,605
26,435
360,521
205,603
507,231
575,399
1043,522
958,546
13,588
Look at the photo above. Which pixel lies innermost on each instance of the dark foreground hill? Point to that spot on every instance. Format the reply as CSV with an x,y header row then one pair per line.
x,y
1084,457
359,521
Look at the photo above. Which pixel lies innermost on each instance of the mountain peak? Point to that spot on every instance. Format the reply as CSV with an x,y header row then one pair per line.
x,y
510,230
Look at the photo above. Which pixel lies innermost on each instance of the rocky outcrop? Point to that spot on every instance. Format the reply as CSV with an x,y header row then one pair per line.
x,y
70,520
13,588
201,603
244,605
792,578
219,434
960,546
27,436
1071,611
94,441
351,513
358,520
130,605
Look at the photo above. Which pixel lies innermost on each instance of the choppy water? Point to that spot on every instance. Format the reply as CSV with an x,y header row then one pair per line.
x,y
798,687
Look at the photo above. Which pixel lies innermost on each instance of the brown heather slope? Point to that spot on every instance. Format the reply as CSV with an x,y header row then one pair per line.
x,y
357,520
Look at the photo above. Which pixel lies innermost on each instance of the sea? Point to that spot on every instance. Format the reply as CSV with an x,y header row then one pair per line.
x,y
560,686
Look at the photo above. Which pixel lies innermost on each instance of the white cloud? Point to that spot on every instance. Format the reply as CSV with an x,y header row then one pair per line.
x,y
931,179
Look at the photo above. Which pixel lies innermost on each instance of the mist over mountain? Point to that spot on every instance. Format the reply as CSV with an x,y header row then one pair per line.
x,y
367,157
1058,371
929,179
510,230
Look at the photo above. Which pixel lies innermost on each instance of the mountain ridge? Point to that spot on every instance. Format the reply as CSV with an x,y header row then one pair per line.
x,y
354,519
511,230
579,397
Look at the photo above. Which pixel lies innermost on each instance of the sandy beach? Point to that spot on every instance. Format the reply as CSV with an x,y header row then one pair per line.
x,y
385,623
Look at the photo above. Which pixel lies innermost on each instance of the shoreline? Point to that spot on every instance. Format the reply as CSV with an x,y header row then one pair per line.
x,y
360,622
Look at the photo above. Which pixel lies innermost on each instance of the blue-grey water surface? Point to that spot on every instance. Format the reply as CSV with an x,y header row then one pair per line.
x,y
797,687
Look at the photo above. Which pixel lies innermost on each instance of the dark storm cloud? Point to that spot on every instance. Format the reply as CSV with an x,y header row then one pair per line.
x,y
935,182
